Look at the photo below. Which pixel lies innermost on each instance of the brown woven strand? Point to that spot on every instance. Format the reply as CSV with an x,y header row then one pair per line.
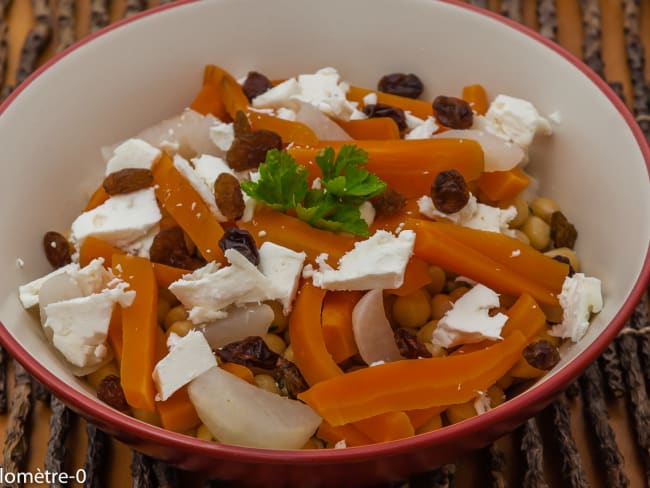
x,y
65,18
547,17
36,41
533,450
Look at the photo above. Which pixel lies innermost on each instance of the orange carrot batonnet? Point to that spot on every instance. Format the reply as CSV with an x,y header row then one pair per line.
x,y
385,427
177,413
526,316
436,245
288,130
93,248
477,98
233,96
240,371
139,329
185,205
416,276
422,416
291,232
97,198
419,108
352,436
166,275
373,129
503,185
431,382
209,100
337,323
115,333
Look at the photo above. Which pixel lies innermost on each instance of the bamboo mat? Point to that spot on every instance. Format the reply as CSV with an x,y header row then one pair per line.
x,y
597,434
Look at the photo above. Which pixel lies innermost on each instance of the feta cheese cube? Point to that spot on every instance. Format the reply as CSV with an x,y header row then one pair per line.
x,y
370,99
580,297
286,114
190,357
367,212
283,267
28,293
133,153
222,135
468,321
377,262
424,130
120,220
278,96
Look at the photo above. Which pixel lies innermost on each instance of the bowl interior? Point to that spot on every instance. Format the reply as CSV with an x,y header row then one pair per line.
x,y
149,69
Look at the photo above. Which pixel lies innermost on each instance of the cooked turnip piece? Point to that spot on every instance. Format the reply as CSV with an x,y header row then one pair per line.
x,y
241,322
238,413
372,331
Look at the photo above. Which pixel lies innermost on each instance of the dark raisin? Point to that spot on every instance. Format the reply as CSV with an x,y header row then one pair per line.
x,y
563,233
541,354
240,240
57,249
249,150
404,85
409,345
453,112
565,260
389,202
110,392
241,125
228,196
256,84
168,247
449,191
251,352
289,375
382,110
127,180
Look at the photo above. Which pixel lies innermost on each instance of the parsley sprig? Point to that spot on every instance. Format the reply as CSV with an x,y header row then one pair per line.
x,y
345,185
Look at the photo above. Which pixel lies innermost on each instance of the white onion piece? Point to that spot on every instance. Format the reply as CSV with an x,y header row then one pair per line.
x,y
372,331
56,289
238,413
241,322
324,127
500,155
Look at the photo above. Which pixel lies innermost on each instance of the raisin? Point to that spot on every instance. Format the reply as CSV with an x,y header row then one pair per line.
x,y
449,191
251,352
110,392
541,354
382,110
453,112
168,247
241,124
240,240
565,260
404,85
249,150
57,249
228,196
289,375
256,84
409,345
563,233
389,202
127,180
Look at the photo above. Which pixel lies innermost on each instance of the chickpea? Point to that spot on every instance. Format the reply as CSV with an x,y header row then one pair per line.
x,y
163,309
180,328
438,279
570,254
288,353
313,443
280,321
522,211
275,343
544,208
521,236
412,310
538,231
457,293
267,382
204,433
175,314
440,304
96,377
168,296
146,416
426,331
460,412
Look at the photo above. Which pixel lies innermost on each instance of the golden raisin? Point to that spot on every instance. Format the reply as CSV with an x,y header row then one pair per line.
x,y
57,249
249,150
168,247
228,196
241,125
110,392
382,110
449,191
402,84
541,354
256,84
127,180
409,344
389,202
563,233
453,112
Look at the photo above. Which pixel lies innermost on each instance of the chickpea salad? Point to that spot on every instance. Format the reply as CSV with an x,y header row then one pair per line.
x,y
306,263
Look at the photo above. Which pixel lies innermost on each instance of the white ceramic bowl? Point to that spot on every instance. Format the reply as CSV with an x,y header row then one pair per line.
x,y
127,78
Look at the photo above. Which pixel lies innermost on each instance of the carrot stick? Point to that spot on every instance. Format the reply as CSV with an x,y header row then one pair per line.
x,y
349,433
93,248
288,130
337,323
524,260
416,276
115,333
431,382
240,371
525,316
501,185
419,108
389,426
295,234
139,328
166,275
233,96
208,100
185,205
477,98
177,412
376,128
420,417
97,198
437,245
310,354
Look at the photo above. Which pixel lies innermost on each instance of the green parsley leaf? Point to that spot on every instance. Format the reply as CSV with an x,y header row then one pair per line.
x,y
282,184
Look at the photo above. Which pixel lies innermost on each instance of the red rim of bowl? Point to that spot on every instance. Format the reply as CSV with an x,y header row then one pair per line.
x,y
540,395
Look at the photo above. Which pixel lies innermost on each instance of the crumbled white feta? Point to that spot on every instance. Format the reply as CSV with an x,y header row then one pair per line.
x,y
142,246
482,403
513,119
222,134
370,99
580,297
473,215
188,359
469,321
341,444
202,187
120,220
308,271
28,293
377,262
286,114
283,267
133,153
424,130
250,204
367,212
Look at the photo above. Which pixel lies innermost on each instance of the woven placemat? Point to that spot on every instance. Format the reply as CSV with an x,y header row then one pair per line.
x,y
596,434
